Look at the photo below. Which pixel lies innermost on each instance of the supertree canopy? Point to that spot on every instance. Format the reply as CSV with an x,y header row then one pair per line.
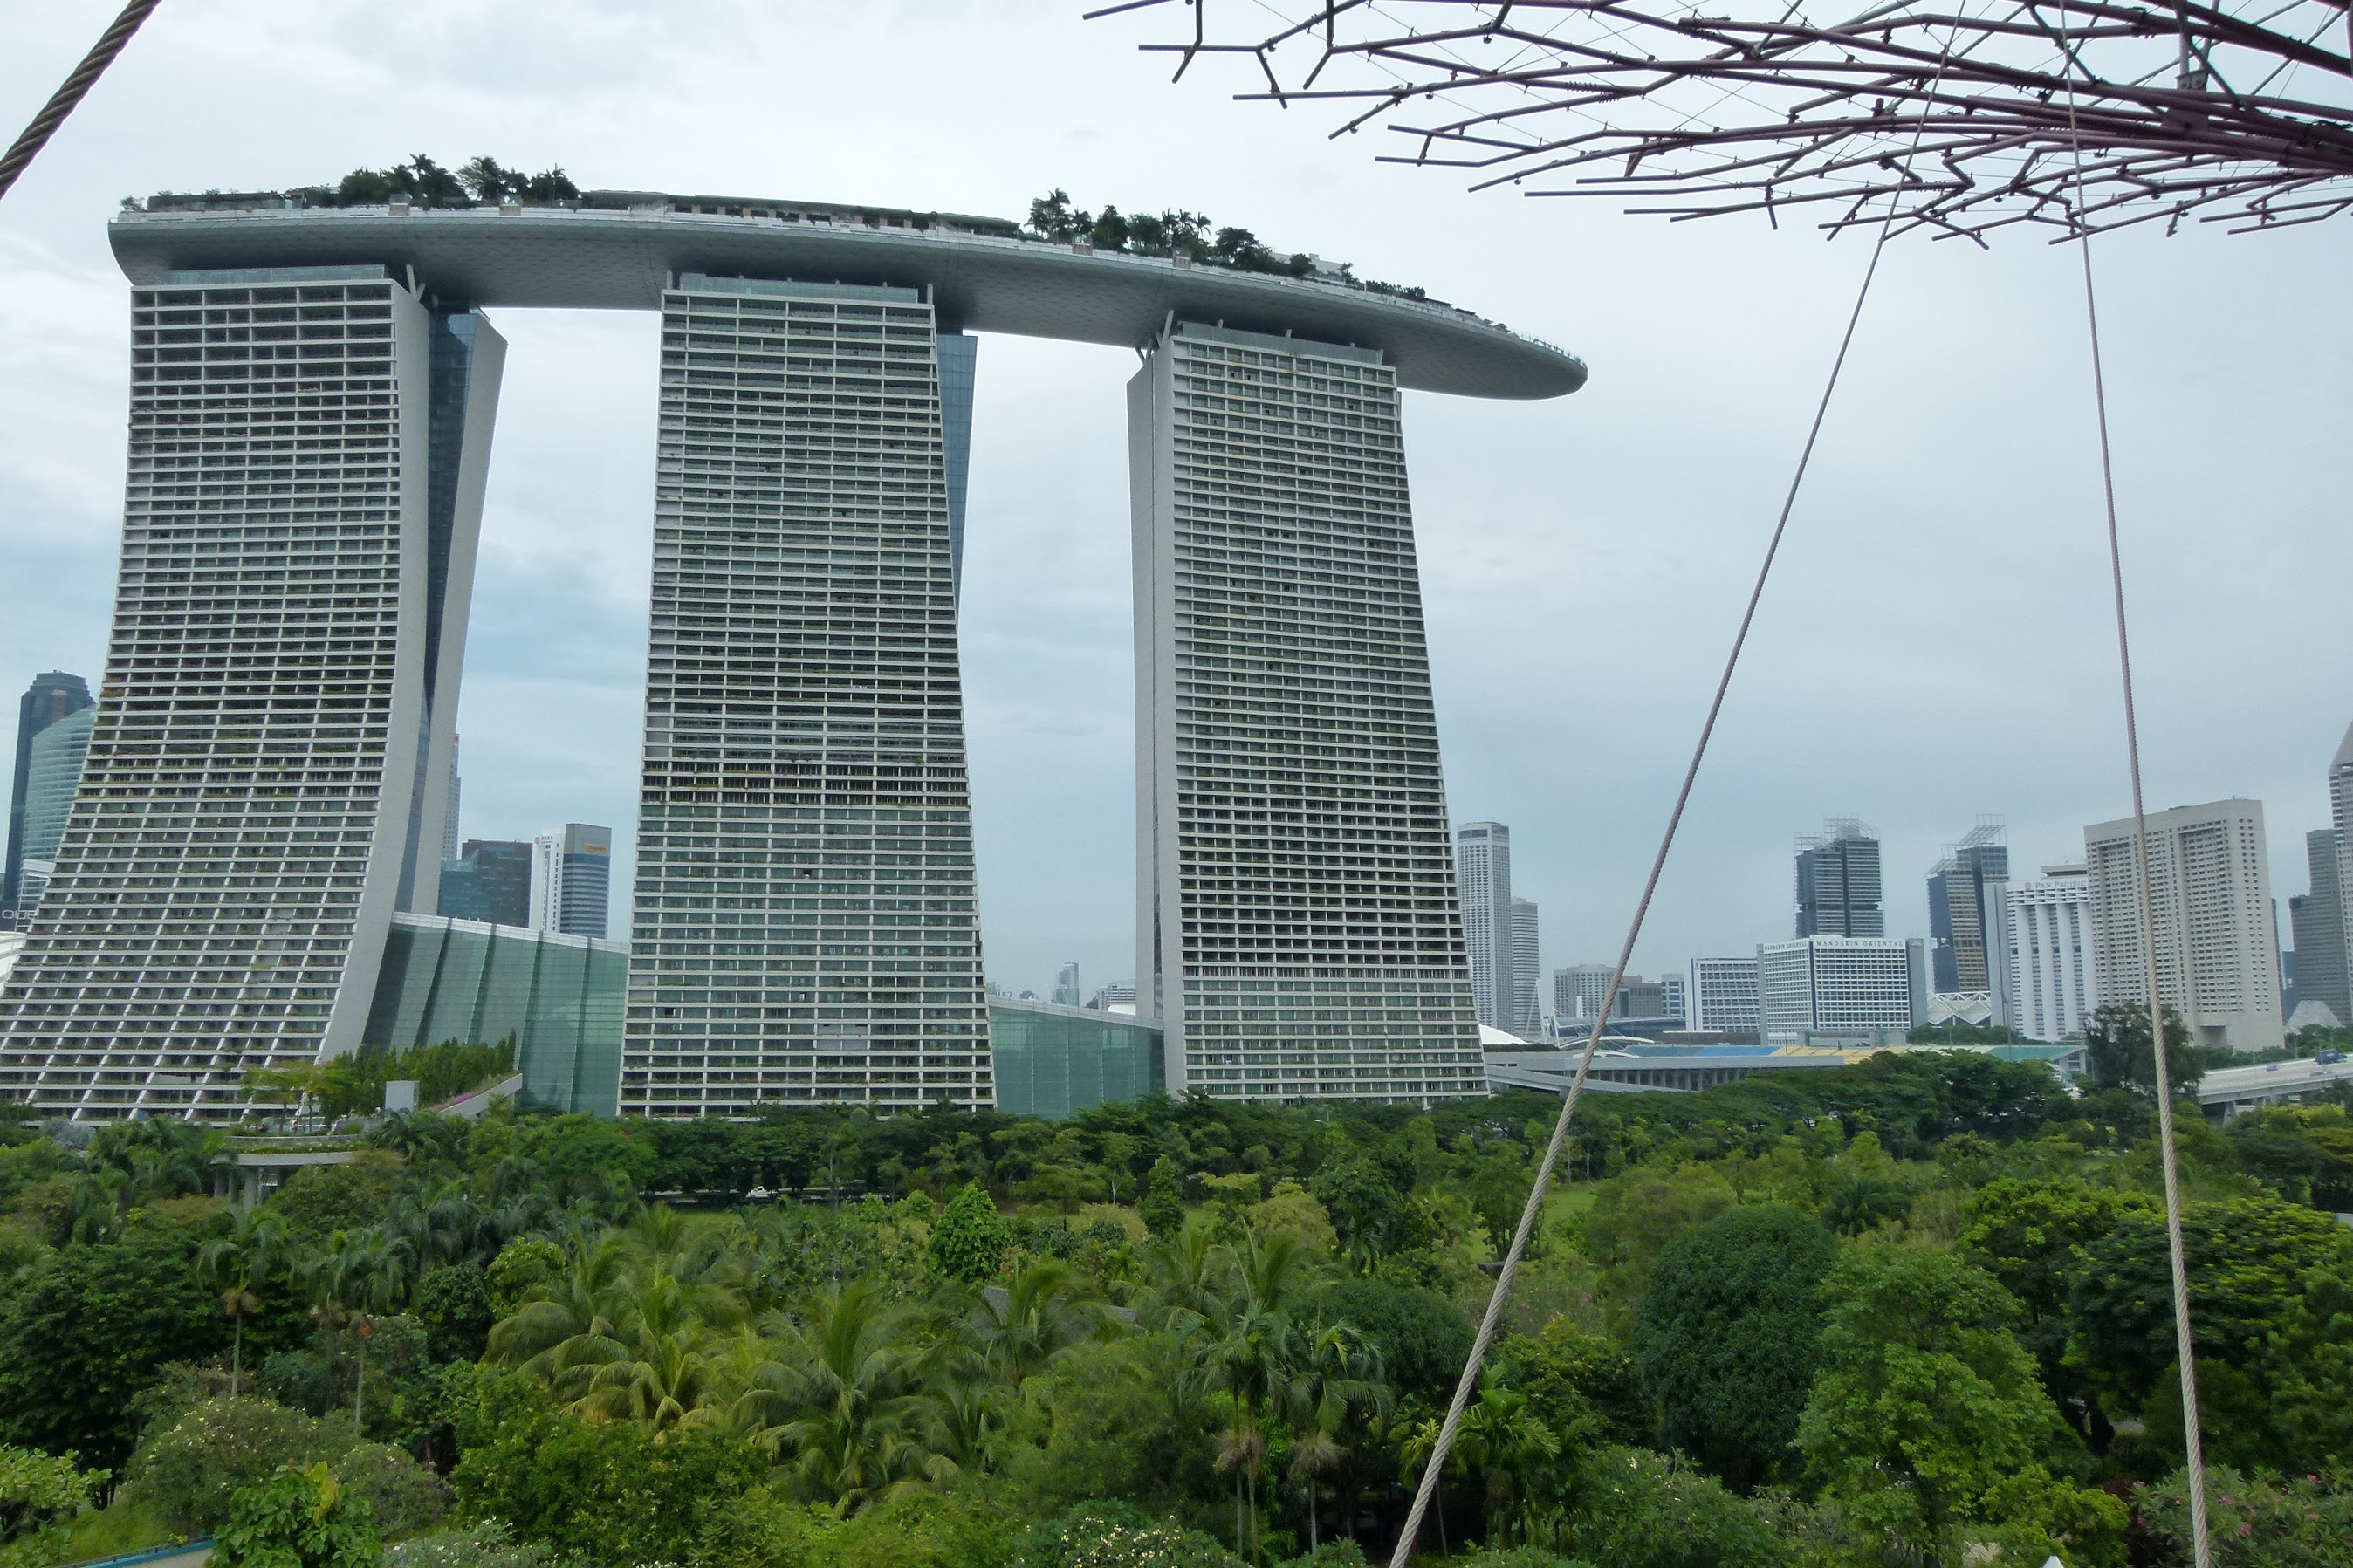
x,y
1954,117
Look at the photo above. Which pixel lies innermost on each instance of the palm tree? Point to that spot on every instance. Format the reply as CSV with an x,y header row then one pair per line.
x,y
235,1264
664,1372
1414,1451
1184,1276
1505,1440
849,1391
360,1275
1048,1307
1337,1379
1252,1357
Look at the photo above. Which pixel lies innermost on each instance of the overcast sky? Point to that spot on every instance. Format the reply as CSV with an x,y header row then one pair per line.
x,y
1937,642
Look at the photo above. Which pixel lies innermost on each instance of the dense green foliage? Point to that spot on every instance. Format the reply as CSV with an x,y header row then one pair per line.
x,y
1908,1313
297,1519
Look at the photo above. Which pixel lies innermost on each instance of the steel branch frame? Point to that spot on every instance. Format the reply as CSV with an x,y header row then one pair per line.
x,y
2081,116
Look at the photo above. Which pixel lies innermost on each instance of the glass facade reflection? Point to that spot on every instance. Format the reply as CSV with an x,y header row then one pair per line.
x,y
1053,1061
559,997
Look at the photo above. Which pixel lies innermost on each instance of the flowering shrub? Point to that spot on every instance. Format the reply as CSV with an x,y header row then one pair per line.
x,y
484,1545
2259,1520
1113,1535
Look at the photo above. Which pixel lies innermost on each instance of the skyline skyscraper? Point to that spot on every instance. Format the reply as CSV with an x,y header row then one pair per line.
x,y
307,450
51,778
489,880
1577,991
571,879
1838,881
2217,952
1964,921
1066,986
53,695
1526,1015
2323,971
1482,883
1297,931
805,925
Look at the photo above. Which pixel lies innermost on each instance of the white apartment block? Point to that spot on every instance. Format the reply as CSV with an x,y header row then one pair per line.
x,y
1297,926
2217,950
804,928
1833,986
267,777
2053,975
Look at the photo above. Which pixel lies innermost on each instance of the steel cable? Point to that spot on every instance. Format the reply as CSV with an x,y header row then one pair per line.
x,y
2194,1456
77,86
1434,1468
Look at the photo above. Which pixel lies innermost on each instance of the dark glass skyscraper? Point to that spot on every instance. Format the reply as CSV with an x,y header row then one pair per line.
x,y
1838,881
52,696
1963,919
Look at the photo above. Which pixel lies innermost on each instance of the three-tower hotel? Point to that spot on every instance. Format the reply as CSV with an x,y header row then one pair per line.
x,y
312,396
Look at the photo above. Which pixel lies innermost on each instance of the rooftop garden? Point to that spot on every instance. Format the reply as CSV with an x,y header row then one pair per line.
x,y
482,181
1186,235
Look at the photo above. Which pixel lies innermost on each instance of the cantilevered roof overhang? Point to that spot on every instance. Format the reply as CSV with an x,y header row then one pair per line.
x,y
620,258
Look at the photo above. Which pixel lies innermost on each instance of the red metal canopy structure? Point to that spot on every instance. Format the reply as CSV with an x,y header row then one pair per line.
x,y
1962,118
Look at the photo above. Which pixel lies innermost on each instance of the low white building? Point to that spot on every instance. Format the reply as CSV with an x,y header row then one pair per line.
x,y
1859,986
1724,994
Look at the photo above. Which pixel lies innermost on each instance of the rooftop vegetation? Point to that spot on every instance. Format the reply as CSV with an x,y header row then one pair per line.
x,y
1189,234
482,181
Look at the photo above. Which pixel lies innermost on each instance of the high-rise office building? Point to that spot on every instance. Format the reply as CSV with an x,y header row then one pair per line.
x,y
265,782
2055,974
1482,881
1577,993
489,881
1526,1015
52,774
1838,881
1964,891
571,879
1066,986
1297,931
2323,973
1724,994
2217,952
805,925
52,696
1838,986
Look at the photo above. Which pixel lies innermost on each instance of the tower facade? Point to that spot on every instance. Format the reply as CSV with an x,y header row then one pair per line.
x,y
804,926
1297,928
50,697
1838,881
1724,994
265,778
2216,951
1482,881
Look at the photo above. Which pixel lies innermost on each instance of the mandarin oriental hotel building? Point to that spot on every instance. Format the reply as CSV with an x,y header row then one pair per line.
x,y
248,871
